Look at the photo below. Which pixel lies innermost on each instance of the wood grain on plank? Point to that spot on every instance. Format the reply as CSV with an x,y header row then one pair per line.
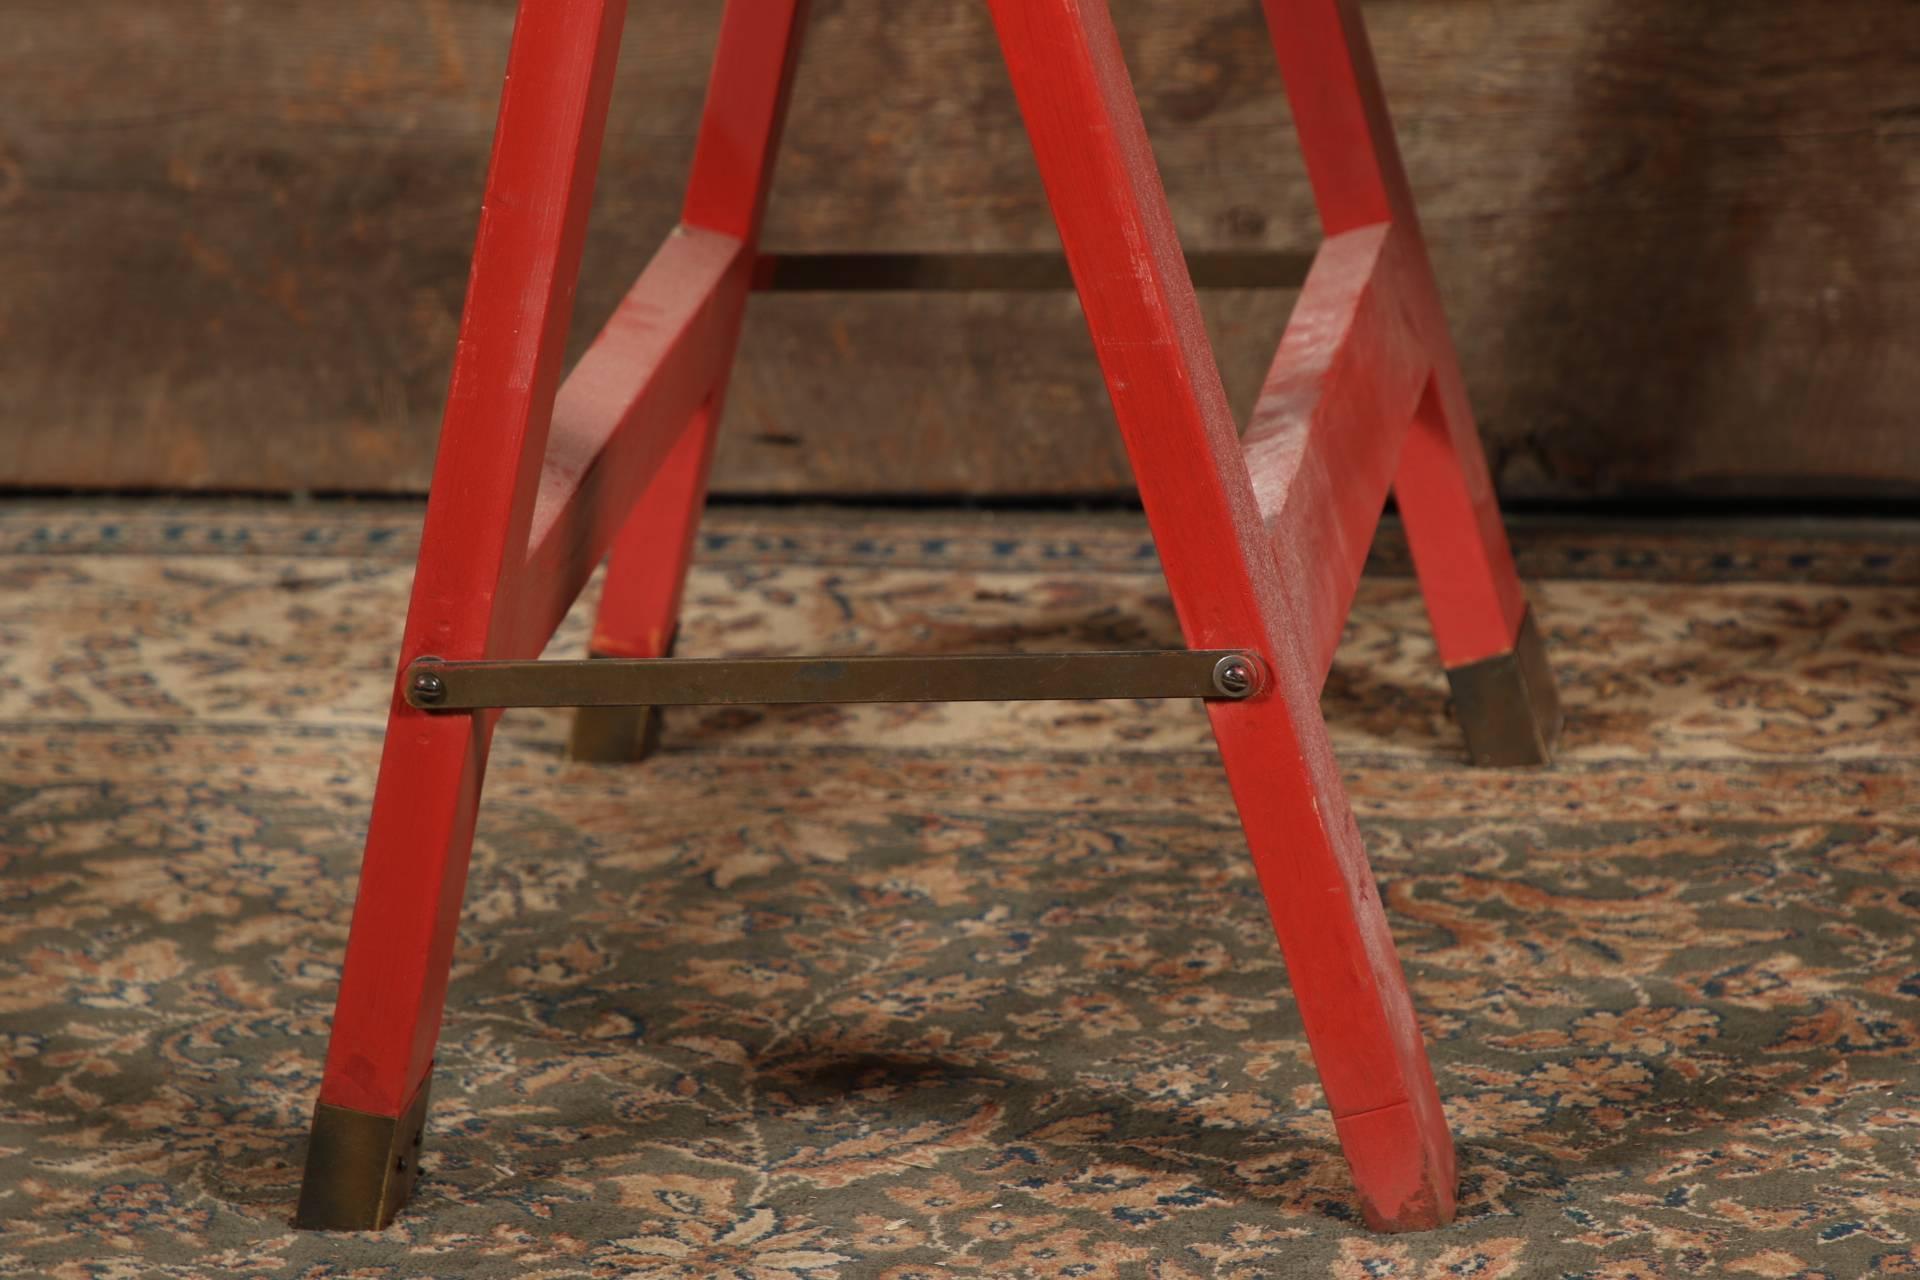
x,y
1676,240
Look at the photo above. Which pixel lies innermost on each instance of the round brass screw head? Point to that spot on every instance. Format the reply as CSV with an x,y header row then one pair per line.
x,y
427,687
1236,675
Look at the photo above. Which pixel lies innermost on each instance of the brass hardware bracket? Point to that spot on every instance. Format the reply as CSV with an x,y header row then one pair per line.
x,y
361,1167
1507,705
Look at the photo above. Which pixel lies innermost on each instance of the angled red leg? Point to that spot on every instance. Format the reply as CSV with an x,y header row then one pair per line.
x,y
361,1161
732,172
1496,663
1504,693
1229,590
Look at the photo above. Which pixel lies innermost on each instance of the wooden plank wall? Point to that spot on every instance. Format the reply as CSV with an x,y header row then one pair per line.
x,y
1680,241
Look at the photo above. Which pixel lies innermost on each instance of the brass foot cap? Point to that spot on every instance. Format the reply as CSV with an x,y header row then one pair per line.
x,y
616,735
1507,705
360,1167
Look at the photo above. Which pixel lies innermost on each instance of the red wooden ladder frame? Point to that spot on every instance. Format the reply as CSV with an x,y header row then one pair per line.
x,y
1262,539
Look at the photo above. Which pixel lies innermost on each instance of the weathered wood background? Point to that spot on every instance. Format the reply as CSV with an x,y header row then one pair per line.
x,y
1680,241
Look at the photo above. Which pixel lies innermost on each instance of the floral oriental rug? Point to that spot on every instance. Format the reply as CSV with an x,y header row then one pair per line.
x,y
969,990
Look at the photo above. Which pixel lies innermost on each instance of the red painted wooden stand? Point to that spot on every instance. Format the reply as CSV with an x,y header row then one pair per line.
x,y
1261,538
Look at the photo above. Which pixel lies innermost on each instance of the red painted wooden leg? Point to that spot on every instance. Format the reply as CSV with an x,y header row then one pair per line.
x,y
1340,956
639,616
640,607
368,1124
1496,661
1228,588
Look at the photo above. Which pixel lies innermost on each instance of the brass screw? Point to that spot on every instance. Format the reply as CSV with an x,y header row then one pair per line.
x,y
1235,675
427,688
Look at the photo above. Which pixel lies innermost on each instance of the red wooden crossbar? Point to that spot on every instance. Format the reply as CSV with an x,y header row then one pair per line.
x,y
623,409
1325,433
1262,539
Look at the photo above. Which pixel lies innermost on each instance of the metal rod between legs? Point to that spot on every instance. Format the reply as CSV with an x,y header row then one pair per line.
x,y
436,685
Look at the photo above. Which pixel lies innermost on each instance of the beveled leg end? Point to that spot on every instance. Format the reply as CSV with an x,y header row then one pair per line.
x,y
1403,1166
360,1167
1507,704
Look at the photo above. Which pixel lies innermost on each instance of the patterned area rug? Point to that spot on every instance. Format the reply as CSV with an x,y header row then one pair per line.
x,y
982,990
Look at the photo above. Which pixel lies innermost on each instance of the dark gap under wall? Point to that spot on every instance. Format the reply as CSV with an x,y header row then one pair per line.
x,y
1638,510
